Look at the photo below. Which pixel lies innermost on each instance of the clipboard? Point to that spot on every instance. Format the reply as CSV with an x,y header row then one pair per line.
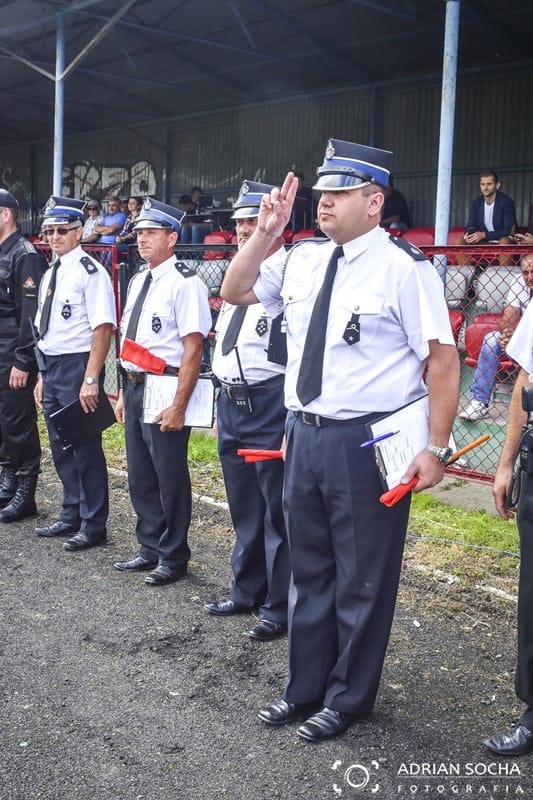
x,y
394,454
76,428
160,390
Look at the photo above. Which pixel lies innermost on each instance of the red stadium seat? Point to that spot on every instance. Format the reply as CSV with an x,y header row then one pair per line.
x,y
306,233
457,319
474,335
217,237
420,236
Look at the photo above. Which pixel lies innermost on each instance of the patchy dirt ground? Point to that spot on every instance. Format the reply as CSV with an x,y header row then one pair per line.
x,y
112,689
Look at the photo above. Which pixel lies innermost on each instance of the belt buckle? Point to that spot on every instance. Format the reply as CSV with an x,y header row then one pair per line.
x,y
311,419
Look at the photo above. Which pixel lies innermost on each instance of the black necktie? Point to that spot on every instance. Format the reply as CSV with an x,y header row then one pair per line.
x,y
47,305
133,322
234,328
309,383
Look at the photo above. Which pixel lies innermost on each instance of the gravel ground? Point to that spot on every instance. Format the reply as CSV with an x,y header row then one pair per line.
x,y
112,689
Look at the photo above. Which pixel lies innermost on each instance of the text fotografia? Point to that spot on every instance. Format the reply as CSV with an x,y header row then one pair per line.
x,y
451,779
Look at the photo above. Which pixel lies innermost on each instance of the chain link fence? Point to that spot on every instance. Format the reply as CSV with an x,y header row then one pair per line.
x,y
479,283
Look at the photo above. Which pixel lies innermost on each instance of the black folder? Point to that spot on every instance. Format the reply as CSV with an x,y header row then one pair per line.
x,y
76,428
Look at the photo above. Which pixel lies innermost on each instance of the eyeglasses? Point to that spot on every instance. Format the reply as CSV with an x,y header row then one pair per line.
x,y
59,231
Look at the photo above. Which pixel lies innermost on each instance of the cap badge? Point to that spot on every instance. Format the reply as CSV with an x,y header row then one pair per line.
x,y
51,203
245,188
330,150
147,203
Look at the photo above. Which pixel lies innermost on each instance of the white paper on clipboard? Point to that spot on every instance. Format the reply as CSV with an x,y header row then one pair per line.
x,y
160,390
410,425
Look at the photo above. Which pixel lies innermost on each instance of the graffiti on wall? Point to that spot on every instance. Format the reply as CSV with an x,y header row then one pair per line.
x,y
87,179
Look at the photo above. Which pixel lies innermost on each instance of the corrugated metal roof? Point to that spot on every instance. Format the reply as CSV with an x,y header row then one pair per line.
x,y
161,59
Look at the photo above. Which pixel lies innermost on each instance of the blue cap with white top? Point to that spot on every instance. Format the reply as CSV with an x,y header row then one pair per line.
x,y
352,166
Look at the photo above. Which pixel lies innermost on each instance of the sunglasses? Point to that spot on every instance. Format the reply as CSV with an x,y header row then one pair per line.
x,y
59,231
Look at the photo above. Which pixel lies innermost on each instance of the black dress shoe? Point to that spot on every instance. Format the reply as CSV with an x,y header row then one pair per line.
x,y
162,575
83,541
59,528
325,724
512,742
266,630
280,712
135,565
225,608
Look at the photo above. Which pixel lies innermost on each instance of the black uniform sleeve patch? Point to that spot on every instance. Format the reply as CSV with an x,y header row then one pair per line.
x,y
184,270
89,265
409,248
29,247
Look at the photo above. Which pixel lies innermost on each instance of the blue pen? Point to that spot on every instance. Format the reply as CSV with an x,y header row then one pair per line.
x,y
379,438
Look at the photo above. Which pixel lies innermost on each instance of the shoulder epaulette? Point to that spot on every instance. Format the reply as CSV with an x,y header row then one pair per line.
x,y
407,247
29,247
184,270
89,265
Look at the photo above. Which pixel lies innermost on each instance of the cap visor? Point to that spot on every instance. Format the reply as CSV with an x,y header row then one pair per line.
x,y
246,212
339,182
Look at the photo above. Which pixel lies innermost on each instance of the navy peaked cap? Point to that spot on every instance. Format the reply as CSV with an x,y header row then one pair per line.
x,y
249,199
62,210
350,166
7,200
155,214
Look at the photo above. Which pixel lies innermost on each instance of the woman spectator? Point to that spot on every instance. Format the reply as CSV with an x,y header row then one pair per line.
x,y
127,235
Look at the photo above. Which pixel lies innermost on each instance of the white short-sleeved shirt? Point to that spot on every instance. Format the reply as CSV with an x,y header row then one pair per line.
x,y
518,295
520,345
83,300
401,308
252,342
176,305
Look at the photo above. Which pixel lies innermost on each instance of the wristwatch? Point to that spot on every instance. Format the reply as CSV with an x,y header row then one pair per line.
x,y
89,380
442,453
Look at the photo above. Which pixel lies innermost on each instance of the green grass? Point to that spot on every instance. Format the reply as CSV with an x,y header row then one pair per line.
x,y
434,519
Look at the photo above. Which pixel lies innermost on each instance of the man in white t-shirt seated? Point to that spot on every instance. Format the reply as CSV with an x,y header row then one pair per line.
x,y
495,343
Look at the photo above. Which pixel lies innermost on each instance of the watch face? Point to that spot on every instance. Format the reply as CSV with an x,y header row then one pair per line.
x,y
89,380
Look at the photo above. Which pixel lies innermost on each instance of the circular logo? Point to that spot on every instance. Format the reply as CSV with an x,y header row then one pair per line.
x,y
357,776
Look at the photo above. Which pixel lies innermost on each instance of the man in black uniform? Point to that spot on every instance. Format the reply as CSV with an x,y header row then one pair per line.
x,y
21,268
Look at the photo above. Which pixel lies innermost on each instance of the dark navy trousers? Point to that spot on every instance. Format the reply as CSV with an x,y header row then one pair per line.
x,y
159,484
524,666
260,559
82,470
346,555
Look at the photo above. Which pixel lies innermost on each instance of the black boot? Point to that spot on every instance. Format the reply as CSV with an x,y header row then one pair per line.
x,y
8,485
23,503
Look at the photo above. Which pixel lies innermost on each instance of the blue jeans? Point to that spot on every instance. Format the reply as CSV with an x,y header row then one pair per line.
x,y
487,367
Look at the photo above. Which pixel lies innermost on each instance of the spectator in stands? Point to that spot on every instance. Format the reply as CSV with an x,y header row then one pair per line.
x,y
523,238
127,235
186,203
94,218
113,222
395,212
194,232
492,218
494,343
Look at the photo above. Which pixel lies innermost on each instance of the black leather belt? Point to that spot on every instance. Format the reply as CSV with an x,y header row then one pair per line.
x,y
260,386
139,377
321,422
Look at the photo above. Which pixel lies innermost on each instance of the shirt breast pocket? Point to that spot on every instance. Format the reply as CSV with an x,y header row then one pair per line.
x,y
365,311
71,302
298,307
